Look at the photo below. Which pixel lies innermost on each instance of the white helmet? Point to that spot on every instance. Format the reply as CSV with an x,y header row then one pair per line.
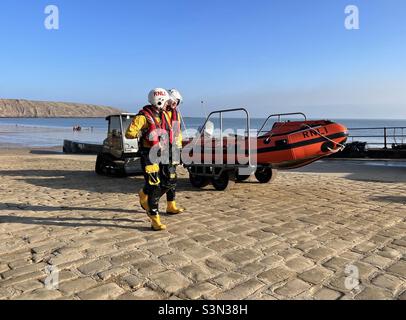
x,y
158,97
175,95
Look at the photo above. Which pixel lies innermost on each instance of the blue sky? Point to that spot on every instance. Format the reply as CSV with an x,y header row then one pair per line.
x,y
269,56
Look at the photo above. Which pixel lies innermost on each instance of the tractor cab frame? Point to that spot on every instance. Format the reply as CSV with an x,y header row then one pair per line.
x,y
119,156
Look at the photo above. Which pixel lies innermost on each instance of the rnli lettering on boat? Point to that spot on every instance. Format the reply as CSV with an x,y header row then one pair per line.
x,y
312,133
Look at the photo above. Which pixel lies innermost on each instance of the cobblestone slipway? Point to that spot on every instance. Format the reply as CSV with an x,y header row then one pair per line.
x,y
305,236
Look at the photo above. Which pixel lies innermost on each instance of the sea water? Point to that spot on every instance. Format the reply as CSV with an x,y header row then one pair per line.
x,y
50,132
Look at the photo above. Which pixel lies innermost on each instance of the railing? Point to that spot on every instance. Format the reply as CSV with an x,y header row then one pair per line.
x,y
279,116
386,136
221,115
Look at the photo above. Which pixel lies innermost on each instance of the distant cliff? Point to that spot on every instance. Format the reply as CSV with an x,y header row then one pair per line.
x,y
10,108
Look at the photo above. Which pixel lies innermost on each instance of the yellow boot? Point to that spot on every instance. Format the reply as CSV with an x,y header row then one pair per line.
x,y
143,200
156,223
173,209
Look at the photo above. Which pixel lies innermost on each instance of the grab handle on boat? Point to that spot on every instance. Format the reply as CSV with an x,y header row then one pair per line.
x,y
336,150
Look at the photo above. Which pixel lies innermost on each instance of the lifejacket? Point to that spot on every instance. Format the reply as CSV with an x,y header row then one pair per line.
x,y
168,124
150,136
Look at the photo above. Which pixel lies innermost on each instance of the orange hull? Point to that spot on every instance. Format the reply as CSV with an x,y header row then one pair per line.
x,y
288,145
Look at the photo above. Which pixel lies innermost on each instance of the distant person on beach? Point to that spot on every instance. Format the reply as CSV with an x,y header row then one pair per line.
x,y
144,126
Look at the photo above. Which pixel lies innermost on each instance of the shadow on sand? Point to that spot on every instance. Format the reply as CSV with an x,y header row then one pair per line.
x,y
87,181
391,199
28,207
72,222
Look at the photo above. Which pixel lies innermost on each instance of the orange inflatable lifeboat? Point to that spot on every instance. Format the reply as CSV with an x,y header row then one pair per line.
x,y
288,145
295,144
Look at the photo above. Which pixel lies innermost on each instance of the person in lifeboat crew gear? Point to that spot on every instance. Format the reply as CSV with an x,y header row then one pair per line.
x,y
145,126
171,122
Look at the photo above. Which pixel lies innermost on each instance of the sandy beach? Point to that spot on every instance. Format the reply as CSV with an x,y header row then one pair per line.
x,y
301,237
